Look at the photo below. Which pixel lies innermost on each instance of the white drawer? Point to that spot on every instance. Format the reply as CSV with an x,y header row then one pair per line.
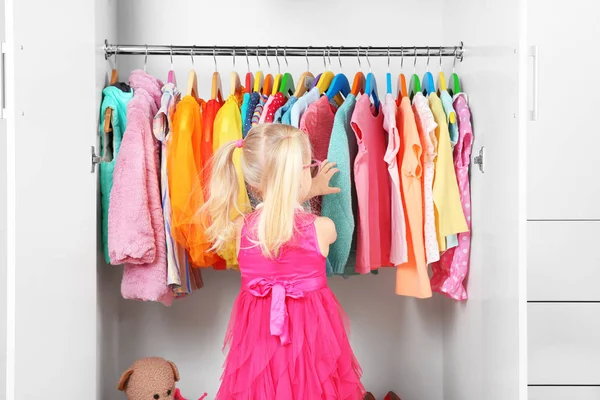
x,y
563,261
564,343
564,393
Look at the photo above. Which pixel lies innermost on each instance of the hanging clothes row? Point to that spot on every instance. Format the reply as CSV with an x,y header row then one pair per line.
x,y
404,197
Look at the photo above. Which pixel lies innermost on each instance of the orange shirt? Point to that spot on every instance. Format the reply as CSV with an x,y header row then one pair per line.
x,y
411,278
185,185
206,149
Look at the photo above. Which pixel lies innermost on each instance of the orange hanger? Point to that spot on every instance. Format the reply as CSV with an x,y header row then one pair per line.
x,y
114,77
268,83
358,85
249,81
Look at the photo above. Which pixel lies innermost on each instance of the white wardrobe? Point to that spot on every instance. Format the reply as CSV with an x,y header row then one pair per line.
x,y
70,335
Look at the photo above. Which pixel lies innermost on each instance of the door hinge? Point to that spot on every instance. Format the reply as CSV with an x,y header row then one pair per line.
x,y
479,159
96,159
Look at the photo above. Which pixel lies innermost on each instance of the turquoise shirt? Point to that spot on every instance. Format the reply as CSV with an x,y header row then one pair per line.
x,y
117,100
245,103
338,207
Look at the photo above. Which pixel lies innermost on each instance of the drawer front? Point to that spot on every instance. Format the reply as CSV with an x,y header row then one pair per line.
x,y
564,343
564,393
563,261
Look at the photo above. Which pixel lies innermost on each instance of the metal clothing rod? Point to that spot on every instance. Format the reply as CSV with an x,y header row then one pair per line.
x,y
285,51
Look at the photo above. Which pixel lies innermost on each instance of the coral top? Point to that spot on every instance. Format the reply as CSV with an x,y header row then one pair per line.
x,y
317,122
399,252
372,188
228,127
411,277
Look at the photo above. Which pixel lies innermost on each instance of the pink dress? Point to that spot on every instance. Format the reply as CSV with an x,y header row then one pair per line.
x,y
450,272
372,181
287,335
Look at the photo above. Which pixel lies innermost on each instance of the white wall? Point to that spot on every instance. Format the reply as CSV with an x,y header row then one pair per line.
x,y
191,332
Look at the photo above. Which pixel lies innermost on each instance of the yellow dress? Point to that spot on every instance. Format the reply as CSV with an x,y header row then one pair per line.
x,y
449,215
228,127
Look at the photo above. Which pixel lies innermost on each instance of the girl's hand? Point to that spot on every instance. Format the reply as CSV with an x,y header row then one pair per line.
x,y
320,183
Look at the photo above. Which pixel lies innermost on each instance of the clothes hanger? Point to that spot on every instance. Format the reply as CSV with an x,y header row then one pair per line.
x,y
235,86
259,79
371,84
268,83
277,80
388,76
287,81
171,76
326,77
441,78
402,91
454,88
249,81
415,83
192,84
339,84
216,92
428,85
358,85
305,81
114,77
146,59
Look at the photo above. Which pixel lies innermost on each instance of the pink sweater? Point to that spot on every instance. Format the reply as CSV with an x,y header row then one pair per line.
x,y
135,222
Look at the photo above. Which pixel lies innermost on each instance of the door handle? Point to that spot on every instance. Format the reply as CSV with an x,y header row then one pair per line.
x,y
534,53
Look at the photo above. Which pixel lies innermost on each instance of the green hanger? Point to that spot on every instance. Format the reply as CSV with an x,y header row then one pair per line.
x,y
454,87
415,84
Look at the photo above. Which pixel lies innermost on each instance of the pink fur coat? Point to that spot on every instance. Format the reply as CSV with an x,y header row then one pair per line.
x,y
135,222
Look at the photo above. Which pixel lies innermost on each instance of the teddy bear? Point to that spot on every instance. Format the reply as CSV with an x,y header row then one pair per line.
x,y
151,378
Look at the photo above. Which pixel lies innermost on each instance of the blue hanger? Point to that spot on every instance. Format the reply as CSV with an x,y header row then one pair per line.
x,y
428,83
340,84
371,85
388,76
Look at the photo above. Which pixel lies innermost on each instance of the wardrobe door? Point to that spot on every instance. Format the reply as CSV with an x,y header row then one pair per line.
x,y
563,143
53,114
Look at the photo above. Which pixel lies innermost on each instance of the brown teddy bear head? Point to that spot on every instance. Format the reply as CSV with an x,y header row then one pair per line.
x,y
150,379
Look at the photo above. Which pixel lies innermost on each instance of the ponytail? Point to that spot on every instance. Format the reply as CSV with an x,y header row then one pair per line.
x,y
222,197
281,184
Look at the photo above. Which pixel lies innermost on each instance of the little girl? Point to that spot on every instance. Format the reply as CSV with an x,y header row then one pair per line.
x,y
287,337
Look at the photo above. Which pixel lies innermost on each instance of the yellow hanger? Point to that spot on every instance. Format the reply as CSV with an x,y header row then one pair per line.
x,y
441,83
192,84
326,77
258,77
277,81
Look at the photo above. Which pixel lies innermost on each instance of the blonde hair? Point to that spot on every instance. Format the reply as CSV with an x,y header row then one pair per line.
x,y
272,158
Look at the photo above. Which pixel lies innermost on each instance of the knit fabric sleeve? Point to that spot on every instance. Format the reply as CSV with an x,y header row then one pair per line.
x,y
338,206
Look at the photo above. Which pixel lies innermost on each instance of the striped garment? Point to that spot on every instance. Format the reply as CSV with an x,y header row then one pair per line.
x,y
161,129
259,109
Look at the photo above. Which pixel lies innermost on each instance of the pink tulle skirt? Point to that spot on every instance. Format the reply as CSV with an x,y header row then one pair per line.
x,y
317,364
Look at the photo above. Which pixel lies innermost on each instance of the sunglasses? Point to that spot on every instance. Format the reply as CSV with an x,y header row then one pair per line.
x,y
314,167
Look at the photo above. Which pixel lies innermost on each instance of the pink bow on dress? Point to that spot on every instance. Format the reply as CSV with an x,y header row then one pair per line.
x,y
261,287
